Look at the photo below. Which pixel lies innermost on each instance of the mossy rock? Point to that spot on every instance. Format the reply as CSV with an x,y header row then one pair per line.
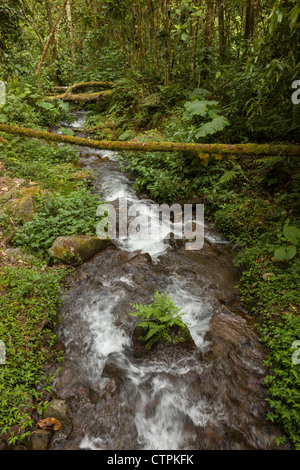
x,y
30,192
84,176
23,208
77,249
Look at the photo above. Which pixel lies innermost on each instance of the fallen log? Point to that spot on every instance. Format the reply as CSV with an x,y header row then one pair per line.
x,y
97,84
150,146
69,95
81,96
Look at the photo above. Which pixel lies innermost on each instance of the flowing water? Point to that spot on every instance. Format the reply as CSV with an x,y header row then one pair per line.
x,y
207,393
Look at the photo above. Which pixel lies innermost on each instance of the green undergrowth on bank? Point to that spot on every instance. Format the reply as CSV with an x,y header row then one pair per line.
x,y
29,299
31,288
254,201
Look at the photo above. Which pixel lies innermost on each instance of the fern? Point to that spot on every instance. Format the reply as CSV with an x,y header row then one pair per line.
x,y
228,176
159,319
232,174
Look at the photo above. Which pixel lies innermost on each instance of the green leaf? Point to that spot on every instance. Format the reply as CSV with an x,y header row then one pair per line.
x,y
65,131
3,118
64,106
45,105
228,176
184,36
294,16
273,22
199,108
216,125
292,234
285,252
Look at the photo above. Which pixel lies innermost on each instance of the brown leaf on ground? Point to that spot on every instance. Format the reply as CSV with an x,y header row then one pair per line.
x,y
49,423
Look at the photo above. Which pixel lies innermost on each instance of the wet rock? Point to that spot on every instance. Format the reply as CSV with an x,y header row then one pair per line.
x,y
39,439
58,409
160,349
77,249
235,374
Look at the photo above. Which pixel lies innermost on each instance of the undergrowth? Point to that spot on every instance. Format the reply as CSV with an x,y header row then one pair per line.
x,y
29,298
31,289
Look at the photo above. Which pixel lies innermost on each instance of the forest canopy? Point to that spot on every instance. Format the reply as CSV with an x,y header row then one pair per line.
x,y
163,77
244,52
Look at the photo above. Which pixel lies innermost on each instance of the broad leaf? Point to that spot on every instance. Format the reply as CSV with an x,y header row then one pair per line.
x,y
216,125
65,131
285,252
3,118
292,234
45,105
199,108
63,105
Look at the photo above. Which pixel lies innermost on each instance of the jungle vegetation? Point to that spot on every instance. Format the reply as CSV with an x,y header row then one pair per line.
x,y
205,71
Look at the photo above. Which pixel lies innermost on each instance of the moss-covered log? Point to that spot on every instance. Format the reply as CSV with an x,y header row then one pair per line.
x,y
202,150
69,95
92,84
82,96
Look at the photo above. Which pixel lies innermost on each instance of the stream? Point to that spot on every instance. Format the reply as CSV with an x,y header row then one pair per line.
x,y
205,394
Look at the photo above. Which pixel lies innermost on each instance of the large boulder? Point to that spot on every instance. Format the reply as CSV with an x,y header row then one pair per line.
x,y
76,249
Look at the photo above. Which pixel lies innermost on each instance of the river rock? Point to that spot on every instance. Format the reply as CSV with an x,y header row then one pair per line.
x,y
77,249
39,439
58,409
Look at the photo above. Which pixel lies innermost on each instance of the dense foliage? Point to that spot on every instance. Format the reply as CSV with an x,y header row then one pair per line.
x,y
187,71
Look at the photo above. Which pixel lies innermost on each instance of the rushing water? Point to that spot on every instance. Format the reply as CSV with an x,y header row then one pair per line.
x,y
205,394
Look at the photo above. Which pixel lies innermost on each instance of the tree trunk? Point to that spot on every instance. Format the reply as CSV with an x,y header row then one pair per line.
x,y
34,27
209,20
167,42
256,9
194,47
154,35
208,29
222,43
50,24
202,150
50,38
250,21
70,26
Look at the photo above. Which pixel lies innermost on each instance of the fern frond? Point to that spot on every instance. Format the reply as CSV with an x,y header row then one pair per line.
x,y
228,176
